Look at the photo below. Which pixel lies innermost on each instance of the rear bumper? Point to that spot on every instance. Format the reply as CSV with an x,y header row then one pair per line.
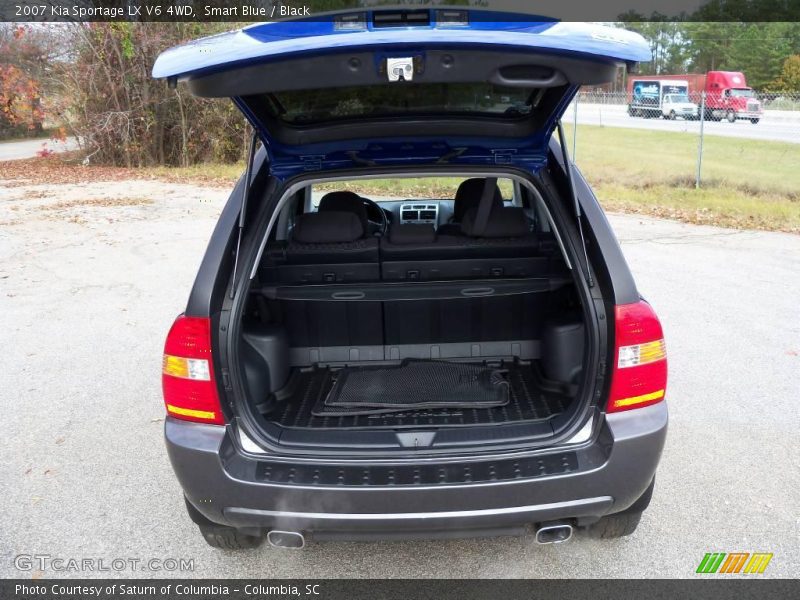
x,y
435,496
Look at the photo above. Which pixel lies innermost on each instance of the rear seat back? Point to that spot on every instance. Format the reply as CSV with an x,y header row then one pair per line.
x,y
507,248
330,247
325,247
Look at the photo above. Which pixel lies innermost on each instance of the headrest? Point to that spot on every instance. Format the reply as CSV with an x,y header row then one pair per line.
x,y
503,222
412,233
468,195
345,201
327,227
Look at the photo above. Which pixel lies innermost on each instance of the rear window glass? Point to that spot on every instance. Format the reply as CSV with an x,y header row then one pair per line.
x,y
405,188
312,106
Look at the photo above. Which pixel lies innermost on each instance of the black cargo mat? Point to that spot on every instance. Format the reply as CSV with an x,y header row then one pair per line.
x,y
414,385
530,399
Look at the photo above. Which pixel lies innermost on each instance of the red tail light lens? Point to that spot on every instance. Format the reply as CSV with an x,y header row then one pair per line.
x,y
190,392
640,358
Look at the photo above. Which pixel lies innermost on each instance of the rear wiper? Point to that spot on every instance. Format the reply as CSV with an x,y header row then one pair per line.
x,y
450,155
359,160
562,140
242,211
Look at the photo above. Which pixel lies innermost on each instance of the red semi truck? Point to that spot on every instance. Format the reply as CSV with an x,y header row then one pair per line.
x,y
727,94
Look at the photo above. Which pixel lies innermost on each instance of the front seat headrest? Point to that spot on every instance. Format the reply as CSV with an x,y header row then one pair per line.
x,y
468,195
345,201
327,227
503,223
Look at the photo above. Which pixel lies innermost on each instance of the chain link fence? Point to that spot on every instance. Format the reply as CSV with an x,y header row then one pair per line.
x,y
748,117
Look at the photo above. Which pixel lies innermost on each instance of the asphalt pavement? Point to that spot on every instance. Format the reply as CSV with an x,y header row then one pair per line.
x,y
88,291
19,149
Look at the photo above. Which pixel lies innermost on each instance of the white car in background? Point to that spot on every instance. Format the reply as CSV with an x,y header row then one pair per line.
x,y
679,105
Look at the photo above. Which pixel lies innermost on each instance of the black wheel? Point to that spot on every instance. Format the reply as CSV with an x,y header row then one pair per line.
x,y
614,526
622,523
229,538
672,115
731,116
221,536
754,121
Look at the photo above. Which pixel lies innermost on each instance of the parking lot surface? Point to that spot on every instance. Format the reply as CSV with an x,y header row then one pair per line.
x,y
91,277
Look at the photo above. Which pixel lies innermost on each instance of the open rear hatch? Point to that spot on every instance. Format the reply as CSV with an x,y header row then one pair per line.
x,y
327,364
378,87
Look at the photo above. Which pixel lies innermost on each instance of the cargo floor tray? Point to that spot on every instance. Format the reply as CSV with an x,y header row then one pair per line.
x,y
530,398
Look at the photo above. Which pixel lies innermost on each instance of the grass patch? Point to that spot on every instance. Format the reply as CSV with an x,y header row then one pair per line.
x,y
749,184
643,159
411,187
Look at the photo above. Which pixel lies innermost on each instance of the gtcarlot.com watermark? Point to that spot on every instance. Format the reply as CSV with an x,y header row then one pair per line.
x,y
61,564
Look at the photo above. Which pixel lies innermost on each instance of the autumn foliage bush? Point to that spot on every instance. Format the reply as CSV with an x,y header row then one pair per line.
x,y
20,100
123,117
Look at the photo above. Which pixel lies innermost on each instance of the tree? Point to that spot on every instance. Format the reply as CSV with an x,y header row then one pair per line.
x,y
21,57
666,39
789,79
125,117
756,49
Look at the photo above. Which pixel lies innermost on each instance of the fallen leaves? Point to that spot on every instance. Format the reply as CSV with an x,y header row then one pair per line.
x,y
63,169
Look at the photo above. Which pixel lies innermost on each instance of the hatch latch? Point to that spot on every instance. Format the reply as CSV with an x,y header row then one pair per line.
x,y
400,69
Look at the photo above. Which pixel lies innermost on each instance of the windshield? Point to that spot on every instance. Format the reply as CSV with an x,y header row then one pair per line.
x,y
742,93
411,188
678,98
311,106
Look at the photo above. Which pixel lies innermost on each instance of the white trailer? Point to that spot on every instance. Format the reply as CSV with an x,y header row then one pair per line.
x,y
668,98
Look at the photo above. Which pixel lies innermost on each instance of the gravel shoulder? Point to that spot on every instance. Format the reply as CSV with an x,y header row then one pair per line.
x,y
92,275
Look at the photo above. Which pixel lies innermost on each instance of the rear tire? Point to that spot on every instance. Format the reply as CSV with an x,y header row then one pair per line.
x,y
229,538
614,526
754,121
221,536
622,523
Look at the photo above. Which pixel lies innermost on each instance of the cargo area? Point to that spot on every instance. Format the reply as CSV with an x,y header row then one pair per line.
x,y
530,398
360,325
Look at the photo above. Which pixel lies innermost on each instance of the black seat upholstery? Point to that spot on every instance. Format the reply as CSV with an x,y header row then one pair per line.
x,y
468,196
345,201
502,223
326,247
507,248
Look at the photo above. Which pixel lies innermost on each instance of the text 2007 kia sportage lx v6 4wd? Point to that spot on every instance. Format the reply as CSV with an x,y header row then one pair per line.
x,y
411,319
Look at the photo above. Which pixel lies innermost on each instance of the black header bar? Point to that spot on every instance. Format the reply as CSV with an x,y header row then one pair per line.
x,y
248,11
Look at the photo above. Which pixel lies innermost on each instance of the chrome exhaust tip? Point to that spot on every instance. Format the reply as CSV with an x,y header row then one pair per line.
x,y
553,533
286,540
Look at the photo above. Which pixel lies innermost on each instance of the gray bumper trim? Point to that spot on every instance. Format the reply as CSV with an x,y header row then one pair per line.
x,y
450,514
500,517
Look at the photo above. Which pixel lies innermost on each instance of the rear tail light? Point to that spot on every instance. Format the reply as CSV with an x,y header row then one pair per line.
x,y
190,392
640,358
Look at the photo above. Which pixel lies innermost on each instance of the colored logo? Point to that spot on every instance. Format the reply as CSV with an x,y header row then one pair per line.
x,y
734,562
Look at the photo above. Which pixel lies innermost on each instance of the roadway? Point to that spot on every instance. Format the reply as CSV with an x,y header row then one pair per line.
x,y
779,126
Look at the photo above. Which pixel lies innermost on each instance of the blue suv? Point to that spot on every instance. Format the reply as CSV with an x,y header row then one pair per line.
x,y
413,318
